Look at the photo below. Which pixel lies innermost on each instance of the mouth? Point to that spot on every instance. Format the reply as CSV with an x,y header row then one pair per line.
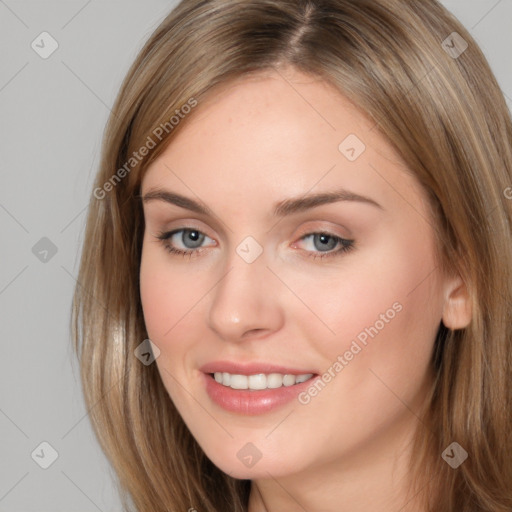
x,y
259,381
257,387
255,393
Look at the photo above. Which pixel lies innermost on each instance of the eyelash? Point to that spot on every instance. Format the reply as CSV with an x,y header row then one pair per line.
x,y
346,245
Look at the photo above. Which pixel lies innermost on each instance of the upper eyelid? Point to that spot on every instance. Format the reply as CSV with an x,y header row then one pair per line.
x,y
191,223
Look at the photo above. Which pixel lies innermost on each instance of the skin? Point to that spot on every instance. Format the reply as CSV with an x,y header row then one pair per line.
x,y
259,141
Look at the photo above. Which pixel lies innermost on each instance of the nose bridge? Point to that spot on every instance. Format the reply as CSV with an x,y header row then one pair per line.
x,y
242,300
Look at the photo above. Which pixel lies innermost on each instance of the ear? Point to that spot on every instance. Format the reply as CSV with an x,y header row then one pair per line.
x,y
457,309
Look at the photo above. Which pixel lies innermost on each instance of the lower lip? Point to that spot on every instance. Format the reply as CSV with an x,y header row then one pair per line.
x,y
252,402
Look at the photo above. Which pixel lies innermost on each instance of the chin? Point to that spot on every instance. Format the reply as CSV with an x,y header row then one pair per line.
x,y
239,465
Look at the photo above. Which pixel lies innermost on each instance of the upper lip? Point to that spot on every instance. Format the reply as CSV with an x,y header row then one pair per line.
x,y
251,368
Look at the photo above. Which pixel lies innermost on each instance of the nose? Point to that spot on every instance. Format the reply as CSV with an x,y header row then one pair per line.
x,y
245,302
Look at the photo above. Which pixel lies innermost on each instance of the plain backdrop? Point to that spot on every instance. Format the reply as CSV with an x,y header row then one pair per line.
x,y
53,112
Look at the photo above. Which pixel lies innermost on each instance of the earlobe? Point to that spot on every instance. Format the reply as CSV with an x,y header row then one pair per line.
x,y
457,311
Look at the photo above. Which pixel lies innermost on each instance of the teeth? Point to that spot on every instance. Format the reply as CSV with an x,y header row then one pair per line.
x,y
260,380
257,381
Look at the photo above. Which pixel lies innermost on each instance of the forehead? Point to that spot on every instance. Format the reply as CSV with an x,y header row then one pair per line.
x,y
278,134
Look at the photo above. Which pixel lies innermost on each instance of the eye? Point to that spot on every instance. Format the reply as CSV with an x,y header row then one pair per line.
x,y
325,243
190,238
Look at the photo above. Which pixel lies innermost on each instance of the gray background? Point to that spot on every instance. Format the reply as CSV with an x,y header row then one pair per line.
x,y
53,112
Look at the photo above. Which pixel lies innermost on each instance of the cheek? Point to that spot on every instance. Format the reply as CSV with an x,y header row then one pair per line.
x,y
157,302
168,305
379,310
378,360
167,295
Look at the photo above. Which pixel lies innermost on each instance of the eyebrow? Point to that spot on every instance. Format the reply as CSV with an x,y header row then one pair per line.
x,y
281,209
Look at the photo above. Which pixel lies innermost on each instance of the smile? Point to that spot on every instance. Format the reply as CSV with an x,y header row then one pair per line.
x,y
259,381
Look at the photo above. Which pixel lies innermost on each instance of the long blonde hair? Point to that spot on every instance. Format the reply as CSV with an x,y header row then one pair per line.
x,y
438,104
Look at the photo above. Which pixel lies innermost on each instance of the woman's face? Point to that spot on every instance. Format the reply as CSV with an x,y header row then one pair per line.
x,y
277,283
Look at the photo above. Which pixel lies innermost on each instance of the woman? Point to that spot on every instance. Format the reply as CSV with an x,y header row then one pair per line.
x,y
295,288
